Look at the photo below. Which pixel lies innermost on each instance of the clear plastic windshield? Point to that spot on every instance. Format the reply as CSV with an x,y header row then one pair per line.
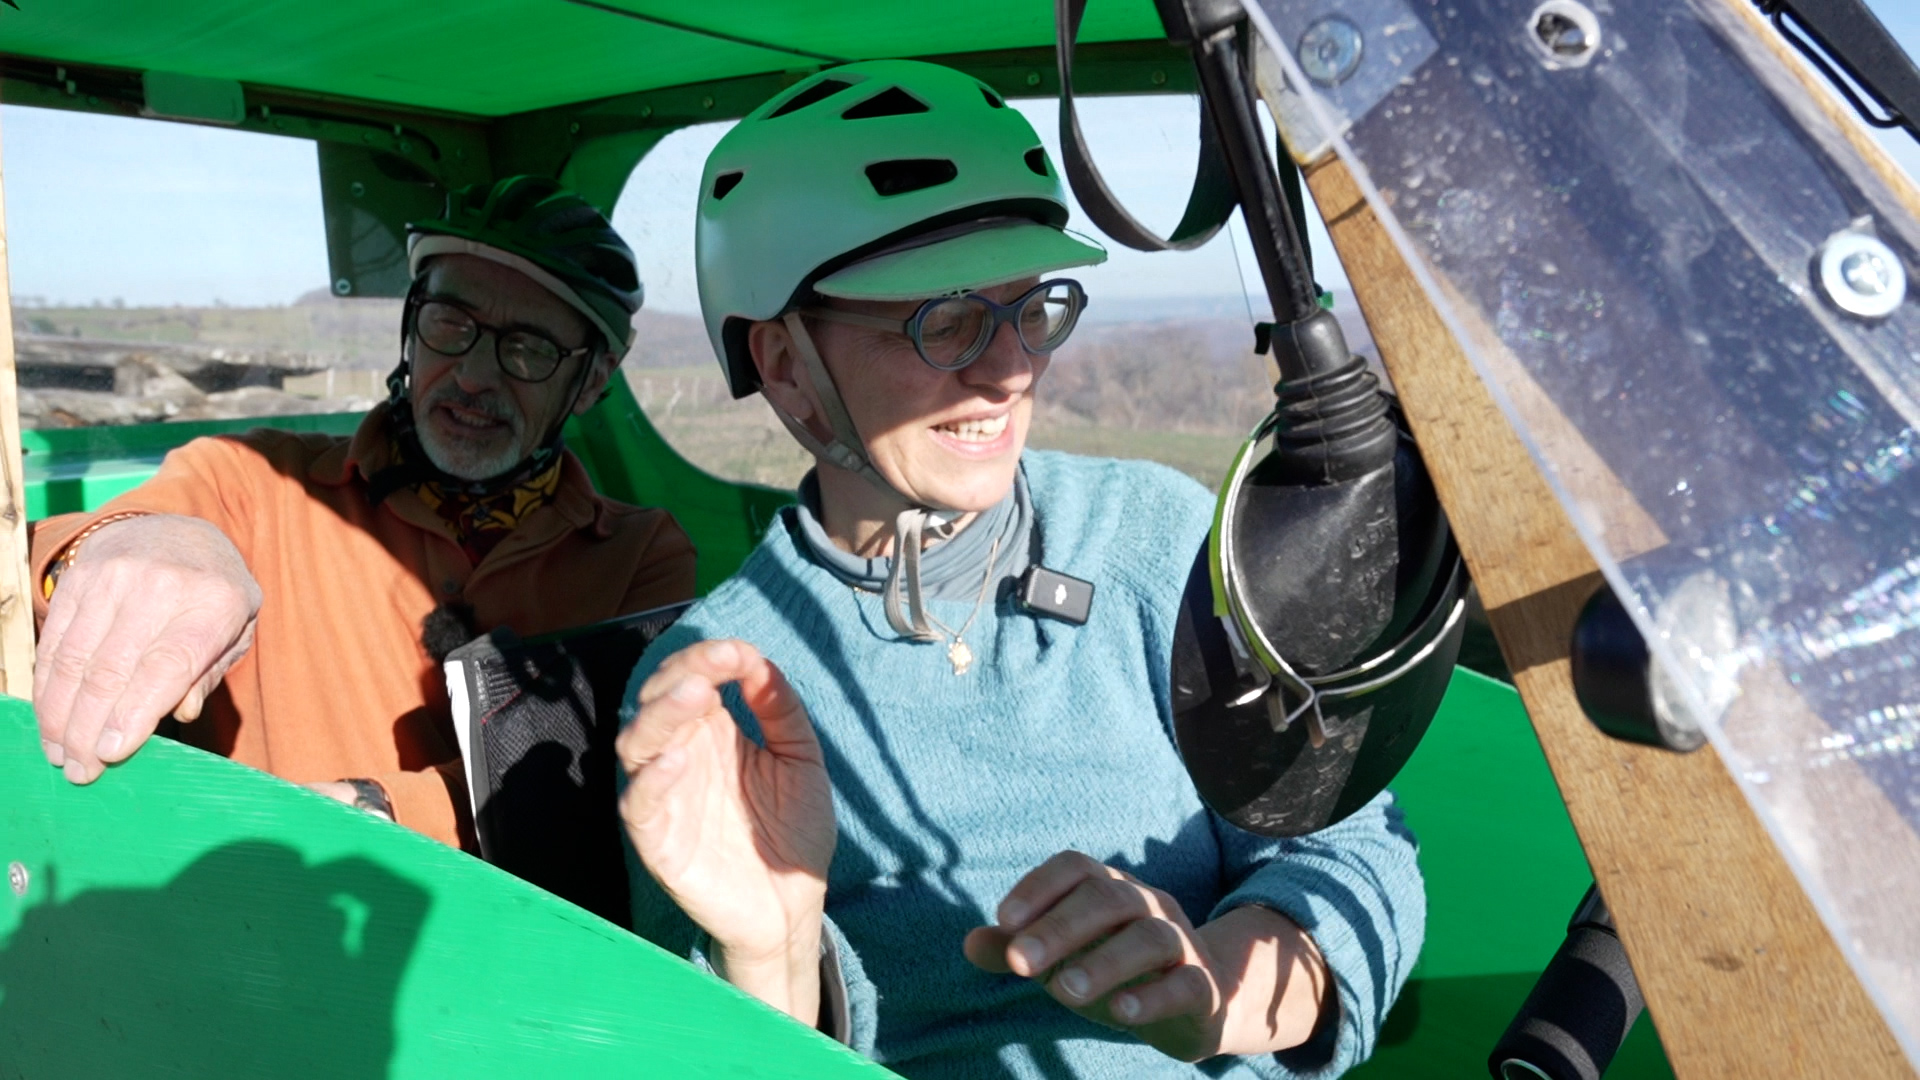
x,y
1689,291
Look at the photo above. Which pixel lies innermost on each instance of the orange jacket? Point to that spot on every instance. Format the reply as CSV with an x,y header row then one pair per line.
x,y
337,684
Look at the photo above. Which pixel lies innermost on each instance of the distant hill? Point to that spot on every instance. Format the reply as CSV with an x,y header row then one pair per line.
x,y
346,334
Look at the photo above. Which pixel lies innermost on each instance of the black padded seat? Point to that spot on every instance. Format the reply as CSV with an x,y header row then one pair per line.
x,y
537,720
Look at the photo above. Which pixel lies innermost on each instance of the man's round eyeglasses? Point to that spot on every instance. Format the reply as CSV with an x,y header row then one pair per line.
x,y
950,332
526,355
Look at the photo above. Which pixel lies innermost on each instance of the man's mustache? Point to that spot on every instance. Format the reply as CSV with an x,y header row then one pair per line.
x,y
490,405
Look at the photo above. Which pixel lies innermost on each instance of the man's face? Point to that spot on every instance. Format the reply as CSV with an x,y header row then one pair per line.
x,y
473,420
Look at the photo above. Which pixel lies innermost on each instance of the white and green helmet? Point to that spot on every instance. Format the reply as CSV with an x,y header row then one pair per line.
x,y
881,180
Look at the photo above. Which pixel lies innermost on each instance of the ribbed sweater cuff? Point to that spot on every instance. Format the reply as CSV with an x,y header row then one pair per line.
x,y
847,997
1365,980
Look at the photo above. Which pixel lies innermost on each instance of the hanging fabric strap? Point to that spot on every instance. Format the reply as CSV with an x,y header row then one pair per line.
x,y
845,449
903,575
1208,207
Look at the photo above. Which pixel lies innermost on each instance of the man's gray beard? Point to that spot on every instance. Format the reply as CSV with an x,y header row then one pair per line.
x,y
463,463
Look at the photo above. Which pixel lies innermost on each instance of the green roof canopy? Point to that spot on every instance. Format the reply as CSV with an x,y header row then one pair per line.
x,y
497,57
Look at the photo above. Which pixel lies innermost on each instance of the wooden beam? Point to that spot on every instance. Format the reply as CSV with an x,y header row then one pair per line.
x,y
1739,973
16,602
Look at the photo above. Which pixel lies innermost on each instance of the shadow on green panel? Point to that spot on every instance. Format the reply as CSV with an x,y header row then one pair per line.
x,y
248,963
1447,1027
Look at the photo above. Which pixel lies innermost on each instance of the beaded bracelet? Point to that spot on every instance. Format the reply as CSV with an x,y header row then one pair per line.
x,y
72,550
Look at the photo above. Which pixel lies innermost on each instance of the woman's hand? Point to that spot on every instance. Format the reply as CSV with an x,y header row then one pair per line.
x,y
738,835
1122,953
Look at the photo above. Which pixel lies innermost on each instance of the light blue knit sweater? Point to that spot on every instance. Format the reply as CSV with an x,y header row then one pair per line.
x,y
948,789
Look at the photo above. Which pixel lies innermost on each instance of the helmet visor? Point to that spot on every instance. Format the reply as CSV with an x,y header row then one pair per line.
x,y
995,254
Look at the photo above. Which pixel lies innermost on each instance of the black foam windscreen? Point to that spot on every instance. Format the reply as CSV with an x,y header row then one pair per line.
x,y
541,717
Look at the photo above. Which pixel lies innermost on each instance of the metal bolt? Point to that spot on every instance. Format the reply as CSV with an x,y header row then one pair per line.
x,y
1868,273
1564,33
1330,50
359,189
18,877
1033,78
1562,36
706,102
573,128
1862,275
343,287
1159,78
646,111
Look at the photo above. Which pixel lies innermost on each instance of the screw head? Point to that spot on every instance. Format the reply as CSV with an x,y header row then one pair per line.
x,y
573,128
343,287
1330,50
1868,272
1564,33
1862,275
1033,78
359,189
17,878
1561,35
1159,78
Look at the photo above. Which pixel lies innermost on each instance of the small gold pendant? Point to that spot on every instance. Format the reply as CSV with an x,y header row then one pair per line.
x,y
959,656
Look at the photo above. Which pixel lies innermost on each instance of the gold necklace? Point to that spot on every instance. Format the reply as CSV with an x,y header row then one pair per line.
x,y
959,653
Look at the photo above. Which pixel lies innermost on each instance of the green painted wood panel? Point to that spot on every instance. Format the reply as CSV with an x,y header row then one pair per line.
x,y
189,917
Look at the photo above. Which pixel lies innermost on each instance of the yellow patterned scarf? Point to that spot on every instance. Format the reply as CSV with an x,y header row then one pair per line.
x,y
480,522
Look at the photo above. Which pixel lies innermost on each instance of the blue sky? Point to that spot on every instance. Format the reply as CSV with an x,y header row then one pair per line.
x,y
101,208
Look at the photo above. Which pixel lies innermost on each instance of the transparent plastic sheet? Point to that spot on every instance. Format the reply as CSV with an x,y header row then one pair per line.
x,y
1628,241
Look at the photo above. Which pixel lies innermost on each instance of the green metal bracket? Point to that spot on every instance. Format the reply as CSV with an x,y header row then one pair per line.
x,y
369,197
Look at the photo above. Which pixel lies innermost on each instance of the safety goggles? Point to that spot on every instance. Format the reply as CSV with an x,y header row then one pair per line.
x,y
951,332
526,355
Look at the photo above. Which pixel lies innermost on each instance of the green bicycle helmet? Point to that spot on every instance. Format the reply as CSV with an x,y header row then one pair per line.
x,y
557,238
881,180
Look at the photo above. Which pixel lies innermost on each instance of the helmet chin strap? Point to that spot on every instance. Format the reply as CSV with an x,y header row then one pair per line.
x,y
848,451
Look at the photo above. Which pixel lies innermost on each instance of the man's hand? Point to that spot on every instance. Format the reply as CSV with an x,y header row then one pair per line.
x,y
145,622
1121,953
738,835
359,794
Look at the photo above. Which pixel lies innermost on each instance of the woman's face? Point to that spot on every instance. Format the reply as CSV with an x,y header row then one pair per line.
x,y
946,439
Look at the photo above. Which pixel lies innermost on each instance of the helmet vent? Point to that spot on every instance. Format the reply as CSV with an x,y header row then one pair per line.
x,y
819,91
726,182
892,101
1037,160
910,174
993,99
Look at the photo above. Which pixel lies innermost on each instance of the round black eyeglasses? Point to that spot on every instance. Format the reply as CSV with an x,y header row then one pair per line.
x,y
950,332
526,355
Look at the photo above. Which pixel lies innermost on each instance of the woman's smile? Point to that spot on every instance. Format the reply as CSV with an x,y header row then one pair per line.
x,y
979,436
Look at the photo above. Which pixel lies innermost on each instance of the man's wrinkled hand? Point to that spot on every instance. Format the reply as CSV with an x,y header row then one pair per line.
x,y
146,621
354,795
